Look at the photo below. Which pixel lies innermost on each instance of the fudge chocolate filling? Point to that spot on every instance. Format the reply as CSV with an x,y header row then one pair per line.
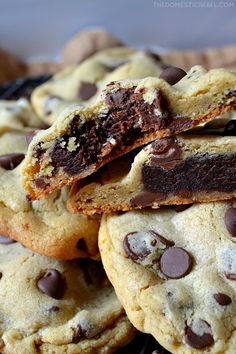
x,y
202,172
128,118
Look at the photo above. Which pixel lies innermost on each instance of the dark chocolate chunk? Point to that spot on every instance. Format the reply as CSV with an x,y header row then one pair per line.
x,y
222,299
163,240
172,75
29,137
146,199
199,341
230,276
1,275
214,173
180,208
230,221
81,245
118,97
78,334
230,128
52,284
11,161
4,240
87,90
175,263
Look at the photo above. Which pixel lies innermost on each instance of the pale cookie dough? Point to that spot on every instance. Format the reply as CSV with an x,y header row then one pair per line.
x,y
128,114
176,170
175,274
44,226
17,115
82,84
57,307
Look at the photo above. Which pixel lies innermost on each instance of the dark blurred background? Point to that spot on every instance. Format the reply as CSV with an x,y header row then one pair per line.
x,y
40,28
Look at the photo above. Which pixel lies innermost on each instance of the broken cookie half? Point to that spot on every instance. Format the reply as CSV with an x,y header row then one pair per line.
x,y
128,114
174,170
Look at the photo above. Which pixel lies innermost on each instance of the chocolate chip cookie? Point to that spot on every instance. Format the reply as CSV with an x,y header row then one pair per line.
x,y
44,226
175,273
128,114
176,170
17,115
83,83
50,306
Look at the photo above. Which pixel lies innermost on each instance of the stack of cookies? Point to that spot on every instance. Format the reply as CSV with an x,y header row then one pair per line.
x,y
129,161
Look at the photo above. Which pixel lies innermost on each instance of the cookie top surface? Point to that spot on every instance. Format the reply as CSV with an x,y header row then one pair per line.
x,y
127,114
38,225
175,274
54,306
83,83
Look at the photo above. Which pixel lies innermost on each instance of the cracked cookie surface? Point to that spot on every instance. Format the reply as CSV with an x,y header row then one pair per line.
x,y
175,273
83,83
50,306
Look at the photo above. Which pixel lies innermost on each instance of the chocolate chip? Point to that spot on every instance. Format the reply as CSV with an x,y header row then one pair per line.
x,y
172,75
29,137
230,128
230,276
146,199
78,334
199,341
138,245
117,97
54,308
175,263
180,208
81,245
38,343
163,240
222,299
87,90
4,240
230,221
11,161
1,275
52,284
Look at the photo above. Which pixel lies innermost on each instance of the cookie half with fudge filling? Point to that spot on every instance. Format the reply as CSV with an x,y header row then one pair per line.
x,y
175,274
176,170
50,306
45,226
83,83
128,114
